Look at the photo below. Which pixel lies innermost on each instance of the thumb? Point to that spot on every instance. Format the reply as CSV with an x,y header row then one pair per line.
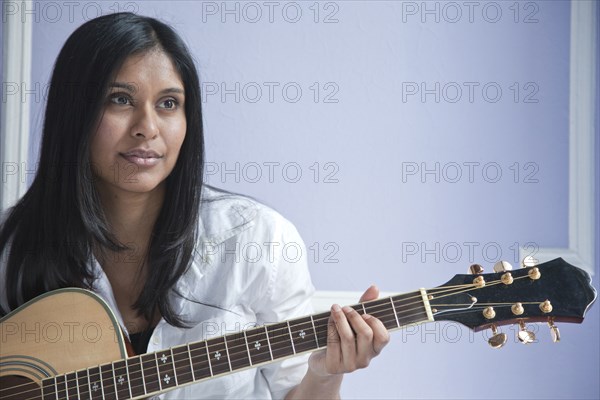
x,y
370,294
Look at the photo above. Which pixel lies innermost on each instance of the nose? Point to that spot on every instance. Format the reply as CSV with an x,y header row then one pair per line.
x,y
145,126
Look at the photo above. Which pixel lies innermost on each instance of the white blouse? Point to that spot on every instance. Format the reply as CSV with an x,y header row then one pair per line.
x,y
250,267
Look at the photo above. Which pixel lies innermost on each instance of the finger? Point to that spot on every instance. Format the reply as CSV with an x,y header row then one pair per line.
x,y
381,336
364,338
370,294
346,338
334,350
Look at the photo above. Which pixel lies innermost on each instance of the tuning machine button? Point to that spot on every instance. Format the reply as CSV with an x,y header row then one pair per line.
x,y
524,335
506,278
554,330
534,273
529,261
498,339
502,266
546,307
475,269
479,282
517,309
489,313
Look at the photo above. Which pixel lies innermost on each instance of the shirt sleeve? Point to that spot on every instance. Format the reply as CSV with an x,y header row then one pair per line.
x,y
289,295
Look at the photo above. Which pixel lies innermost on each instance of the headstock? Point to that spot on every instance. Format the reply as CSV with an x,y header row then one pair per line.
x,y
554,291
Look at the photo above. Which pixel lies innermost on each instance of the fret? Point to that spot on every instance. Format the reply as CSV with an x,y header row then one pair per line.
x,y
208,358
128,378
114,380
303,336
95,382
136,377
121,379
71,386
381,310
182,364
291,337
312,322
150,373
165,370
247,347
108,383
363,308
200,364
321,323
49,389
395,313
87,371
83,385
227,351
158,370
238,350
269,343
191,362
218,355
258,345
280,340
61,390
174,369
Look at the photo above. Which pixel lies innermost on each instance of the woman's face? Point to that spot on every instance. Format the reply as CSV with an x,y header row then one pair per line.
x,y
142,127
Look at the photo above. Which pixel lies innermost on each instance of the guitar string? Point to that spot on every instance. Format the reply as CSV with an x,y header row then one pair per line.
x,y
382,303
68,384
98,374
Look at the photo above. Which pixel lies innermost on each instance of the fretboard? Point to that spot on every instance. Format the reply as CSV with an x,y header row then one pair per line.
x,y
155,373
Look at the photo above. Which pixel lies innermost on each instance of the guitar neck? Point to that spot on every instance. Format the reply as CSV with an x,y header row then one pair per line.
x,y
162,371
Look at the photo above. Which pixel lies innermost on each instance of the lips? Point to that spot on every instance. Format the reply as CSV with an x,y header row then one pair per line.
x,y
142,157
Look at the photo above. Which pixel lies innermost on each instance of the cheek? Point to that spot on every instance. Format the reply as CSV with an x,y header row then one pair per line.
x,y
177,136
104,140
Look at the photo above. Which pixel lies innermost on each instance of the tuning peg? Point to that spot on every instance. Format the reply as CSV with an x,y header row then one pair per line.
x,y
498,339
524,335
475,269
502,266
529,261
554,331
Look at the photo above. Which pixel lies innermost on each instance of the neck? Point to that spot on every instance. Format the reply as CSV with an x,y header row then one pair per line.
x,y
132,216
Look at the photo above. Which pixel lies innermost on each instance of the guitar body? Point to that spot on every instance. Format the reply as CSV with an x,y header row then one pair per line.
x,y
62,331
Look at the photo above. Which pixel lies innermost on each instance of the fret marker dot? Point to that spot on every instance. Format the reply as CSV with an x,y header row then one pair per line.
x,y
163,359
121,380
302,334
167,379
218,355
95,387
257,345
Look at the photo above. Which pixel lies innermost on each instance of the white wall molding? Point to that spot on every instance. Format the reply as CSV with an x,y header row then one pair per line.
x,y
14,128
582,110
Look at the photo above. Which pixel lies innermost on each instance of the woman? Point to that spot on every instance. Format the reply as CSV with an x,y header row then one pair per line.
x,y
118,207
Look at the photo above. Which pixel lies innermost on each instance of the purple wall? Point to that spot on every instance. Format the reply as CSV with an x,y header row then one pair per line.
x,y
373,144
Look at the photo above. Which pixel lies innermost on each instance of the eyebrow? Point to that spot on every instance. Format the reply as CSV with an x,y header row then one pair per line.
x,y
131,88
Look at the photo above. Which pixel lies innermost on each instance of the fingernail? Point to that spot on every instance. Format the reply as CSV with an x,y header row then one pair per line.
x,y
366,317
336,308
346,309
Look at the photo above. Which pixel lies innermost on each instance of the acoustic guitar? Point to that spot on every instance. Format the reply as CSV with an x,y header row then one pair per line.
x,y
67,344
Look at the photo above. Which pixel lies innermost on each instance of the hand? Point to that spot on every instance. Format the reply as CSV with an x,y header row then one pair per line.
x,y
353,340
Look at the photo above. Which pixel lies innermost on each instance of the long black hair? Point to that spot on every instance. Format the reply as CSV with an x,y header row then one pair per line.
x,y
52,231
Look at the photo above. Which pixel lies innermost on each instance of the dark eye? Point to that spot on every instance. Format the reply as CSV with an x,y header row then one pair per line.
x,y
119,99
170,104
